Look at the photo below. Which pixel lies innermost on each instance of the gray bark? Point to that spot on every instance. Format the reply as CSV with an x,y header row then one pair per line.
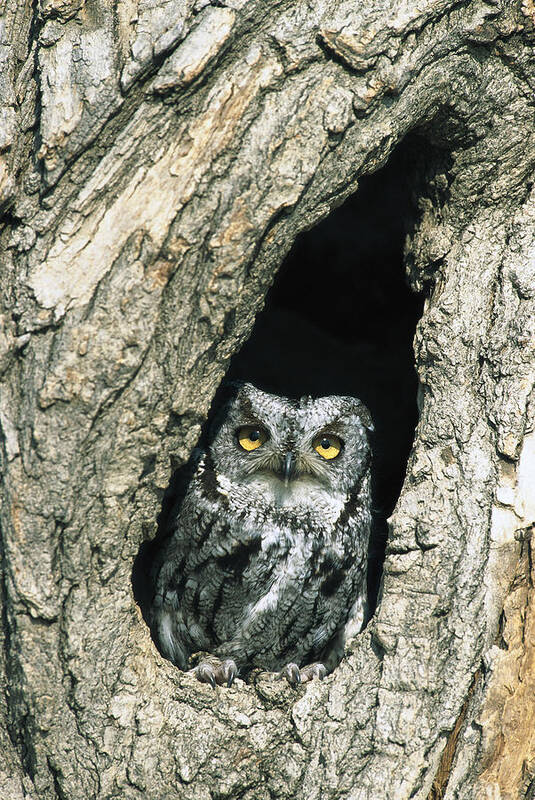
x,y
158,159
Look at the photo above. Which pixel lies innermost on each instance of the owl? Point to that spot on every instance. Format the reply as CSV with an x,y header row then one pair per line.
x,y
265,559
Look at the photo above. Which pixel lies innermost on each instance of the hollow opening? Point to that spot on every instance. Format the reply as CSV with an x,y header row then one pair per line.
x,y
340,320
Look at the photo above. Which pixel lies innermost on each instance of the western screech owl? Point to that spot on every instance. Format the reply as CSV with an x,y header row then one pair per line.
x,y
265,563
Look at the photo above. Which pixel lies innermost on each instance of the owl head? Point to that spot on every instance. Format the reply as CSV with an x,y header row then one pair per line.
x,y
280,444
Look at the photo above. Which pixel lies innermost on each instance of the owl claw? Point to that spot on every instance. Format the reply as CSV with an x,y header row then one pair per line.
x,y
216,674
292,673
316,670
228,670
295,676
205,673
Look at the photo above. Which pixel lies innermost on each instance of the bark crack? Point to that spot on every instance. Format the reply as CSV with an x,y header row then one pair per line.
x,y
440,784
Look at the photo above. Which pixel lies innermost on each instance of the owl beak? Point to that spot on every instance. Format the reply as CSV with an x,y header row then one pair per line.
x,y
289,467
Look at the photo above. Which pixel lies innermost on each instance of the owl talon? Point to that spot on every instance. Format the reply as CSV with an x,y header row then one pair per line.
x,y
311,671
292,673
295,676
216,674
205,673
228,671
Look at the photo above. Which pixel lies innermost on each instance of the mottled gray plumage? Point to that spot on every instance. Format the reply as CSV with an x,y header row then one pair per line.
x,y
266,558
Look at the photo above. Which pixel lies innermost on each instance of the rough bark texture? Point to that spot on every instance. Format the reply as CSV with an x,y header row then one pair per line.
x,y
158,160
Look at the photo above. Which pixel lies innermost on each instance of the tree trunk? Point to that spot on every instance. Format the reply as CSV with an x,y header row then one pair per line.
x,y
157,162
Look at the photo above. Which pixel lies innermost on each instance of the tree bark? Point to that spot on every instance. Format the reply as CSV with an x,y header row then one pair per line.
x,y
157,162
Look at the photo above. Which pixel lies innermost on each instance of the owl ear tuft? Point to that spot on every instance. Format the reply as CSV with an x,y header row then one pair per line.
x,y
358,407
368,422
366,419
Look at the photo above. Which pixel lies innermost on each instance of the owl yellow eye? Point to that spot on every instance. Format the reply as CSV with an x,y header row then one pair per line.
x,y
327,445
250,437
